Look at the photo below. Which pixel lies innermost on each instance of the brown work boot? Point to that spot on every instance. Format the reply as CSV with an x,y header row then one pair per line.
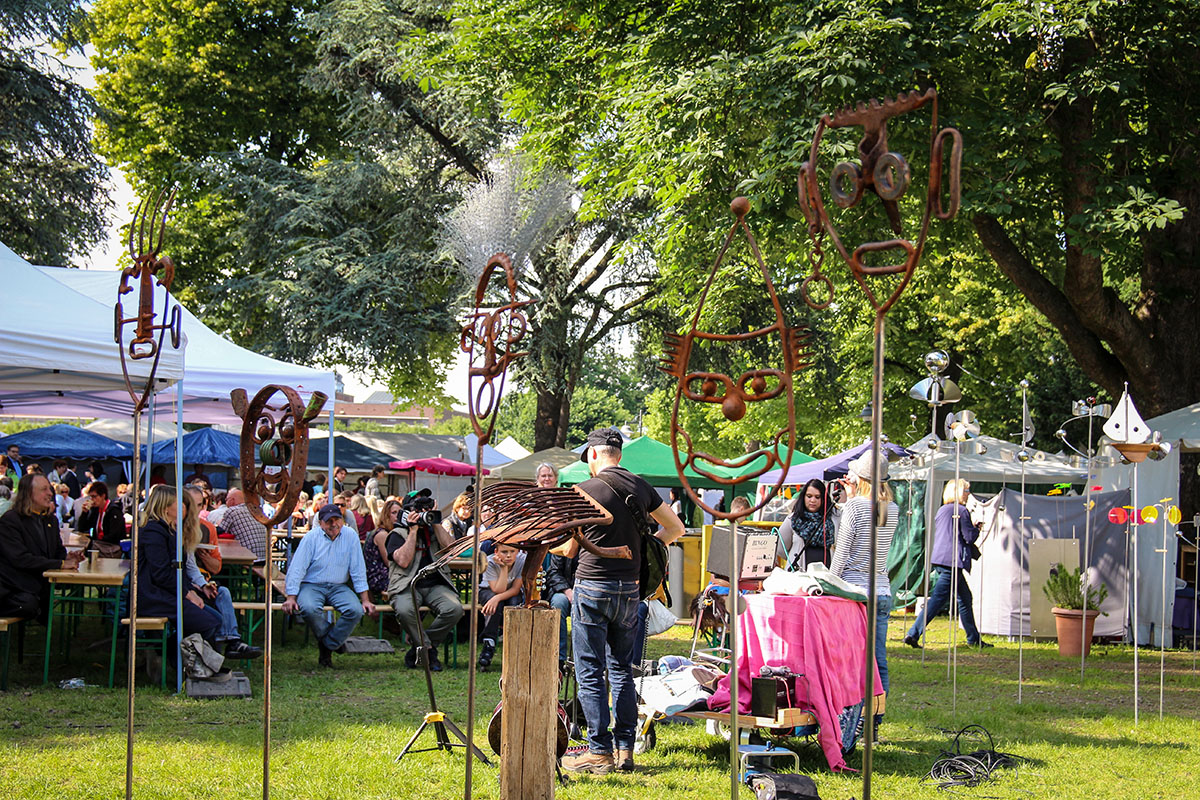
x,y
624,761
595,763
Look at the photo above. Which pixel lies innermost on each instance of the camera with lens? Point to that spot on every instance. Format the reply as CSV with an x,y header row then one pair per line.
x,y
425,506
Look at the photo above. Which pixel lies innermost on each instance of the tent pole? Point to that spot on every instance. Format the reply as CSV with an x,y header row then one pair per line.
x,y
1134,591
1021,589
149,455
178,530
1162,629
329,475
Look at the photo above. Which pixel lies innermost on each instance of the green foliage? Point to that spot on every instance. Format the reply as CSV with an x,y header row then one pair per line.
x,y
1064,589
454,426
53,199
11,426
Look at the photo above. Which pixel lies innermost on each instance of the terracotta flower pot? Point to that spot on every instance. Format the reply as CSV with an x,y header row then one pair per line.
x,y
1069,623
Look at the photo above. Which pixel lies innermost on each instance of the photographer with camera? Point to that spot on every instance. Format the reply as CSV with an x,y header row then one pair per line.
x,y
411,546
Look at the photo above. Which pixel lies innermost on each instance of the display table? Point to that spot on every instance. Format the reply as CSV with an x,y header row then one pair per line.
x,y
821,638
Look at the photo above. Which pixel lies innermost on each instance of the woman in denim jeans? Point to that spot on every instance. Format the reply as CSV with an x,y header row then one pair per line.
x,y
851,554
604,614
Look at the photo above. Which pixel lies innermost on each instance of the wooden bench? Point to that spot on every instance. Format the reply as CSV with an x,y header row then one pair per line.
x,y
5,624
154,624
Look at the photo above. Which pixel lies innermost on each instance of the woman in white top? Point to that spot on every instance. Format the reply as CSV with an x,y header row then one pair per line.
x,y
851,555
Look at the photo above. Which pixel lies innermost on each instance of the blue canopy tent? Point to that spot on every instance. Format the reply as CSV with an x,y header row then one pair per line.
x,y
827,468
491,456
67,441
203,446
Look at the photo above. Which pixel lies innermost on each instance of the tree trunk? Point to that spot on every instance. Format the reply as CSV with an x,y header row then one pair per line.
x,y
549,429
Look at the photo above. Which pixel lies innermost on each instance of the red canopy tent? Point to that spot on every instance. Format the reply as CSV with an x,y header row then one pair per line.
x,y
434,466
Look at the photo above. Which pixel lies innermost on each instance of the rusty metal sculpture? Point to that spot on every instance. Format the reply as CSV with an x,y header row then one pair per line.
x,y
281,444
490,339
149,269
753,386
888,176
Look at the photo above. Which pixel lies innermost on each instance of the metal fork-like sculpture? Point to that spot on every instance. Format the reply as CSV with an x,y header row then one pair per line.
x,y
149,269
887,176
773,382
278,435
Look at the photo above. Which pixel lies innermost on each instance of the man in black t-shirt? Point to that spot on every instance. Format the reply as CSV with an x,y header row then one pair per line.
x,y
604,613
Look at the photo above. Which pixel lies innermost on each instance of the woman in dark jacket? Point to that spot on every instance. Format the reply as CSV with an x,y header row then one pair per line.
x,y
156,568
953,535
808,534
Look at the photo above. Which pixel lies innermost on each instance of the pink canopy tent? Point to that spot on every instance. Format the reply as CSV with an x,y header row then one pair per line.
x,y
437,466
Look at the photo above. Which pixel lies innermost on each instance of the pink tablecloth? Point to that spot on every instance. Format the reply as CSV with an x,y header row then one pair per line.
x,y
820,637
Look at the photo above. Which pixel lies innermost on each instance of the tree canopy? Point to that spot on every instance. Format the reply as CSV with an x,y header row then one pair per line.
x,y
53,199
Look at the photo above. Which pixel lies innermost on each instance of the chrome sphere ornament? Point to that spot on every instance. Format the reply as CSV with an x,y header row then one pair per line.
x,y
1024,456
936,361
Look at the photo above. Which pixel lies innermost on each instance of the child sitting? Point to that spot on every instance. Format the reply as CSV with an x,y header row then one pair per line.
x,y
499,587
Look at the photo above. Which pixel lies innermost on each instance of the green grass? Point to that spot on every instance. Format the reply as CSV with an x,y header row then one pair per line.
x,y
335,734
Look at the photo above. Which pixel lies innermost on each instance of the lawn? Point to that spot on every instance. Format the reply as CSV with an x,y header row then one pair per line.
x,y
336,733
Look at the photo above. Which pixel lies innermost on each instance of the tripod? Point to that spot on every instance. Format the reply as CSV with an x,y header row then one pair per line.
x,y
437,719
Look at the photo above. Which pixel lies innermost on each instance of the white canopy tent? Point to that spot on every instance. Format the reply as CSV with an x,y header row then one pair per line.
x,y
1157,480
215,366
55,341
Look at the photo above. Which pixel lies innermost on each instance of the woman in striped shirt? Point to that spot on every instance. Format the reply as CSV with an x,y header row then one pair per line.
x,y
851,554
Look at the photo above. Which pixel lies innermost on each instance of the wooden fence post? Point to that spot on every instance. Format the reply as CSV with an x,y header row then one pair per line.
x,y
529,738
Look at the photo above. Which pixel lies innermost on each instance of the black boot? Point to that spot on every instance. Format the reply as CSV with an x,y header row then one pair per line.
x,y
237,649
325,656
486,653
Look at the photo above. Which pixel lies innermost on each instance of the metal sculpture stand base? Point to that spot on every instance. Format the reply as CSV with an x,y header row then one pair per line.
x,y
438,719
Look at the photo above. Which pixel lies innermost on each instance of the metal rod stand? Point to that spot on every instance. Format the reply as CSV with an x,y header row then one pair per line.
x,y
131,668
872,595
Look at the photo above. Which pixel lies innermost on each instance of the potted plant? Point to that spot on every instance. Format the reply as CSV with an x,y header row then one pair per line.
x,y
1074,614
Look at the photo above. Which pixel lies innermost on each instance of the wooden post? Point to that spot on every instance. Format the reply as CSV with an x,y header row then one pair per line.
x,y
529,739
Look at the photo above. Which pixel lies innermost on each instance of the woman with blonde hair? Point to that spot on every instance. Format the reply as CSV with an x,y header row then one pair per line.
x,y
852,551
156,563
954,537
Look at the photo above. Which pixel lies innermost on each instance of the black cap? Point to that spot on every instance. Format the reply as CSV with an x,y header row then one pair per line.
x,y
605,437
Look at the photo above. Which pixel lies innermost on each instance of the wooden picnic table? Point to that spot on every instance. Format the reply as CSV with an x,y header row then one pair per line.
x,y
234,553
107,572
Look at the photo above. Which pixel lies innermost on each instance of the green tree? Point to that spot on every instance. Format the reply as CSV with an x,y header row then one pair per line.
x,y
53,199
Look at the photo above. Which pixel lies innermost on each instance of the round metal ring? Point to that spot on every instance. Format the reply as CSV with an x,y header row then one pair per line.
x,y
891,176
846,171
804,291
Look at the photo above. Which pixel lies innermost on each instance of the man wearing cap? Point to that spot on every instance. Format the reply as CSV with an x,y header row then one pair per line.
x,y
410,549
605,609
326,564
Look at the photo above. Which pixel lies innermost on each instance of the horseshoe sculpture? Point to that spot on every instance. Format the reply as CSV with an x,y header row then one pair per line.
x,y
278,436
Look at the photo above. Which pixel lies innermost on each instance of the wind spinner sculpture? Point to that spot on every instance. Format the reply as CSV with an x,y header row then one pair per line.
x,y
696,383
278,436
149,270
1134,440
887,176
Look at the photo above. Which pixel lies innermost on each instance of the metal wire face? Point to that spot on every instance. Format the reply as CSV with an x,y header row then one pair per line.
x,y
149,269
773,382
274,448
887,175
490,340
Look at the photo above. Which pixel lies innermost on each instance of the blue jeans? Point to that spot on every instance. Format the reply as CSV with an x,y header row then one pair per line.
x,y
223,605
605,615
560,602
883,608
939,600
314,596
491,624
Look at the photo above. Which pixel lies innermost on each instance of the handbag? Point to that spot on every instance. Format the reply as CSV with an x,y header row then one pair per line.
x,y
654,552
659,618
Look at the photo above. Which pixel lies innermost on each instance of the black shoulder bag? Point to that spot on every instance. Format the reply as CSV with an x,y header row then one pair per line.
x,y
654,552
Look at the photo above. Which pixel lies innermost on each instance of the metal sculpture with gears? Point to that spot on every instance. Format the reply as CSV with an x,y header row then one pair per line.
x,y
280,444
886,175
274,457
150,270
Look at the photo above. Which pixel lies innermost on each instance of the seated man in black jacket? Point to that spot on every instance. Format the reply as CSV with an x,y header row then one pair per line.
x,y
30,545
560,588
103,520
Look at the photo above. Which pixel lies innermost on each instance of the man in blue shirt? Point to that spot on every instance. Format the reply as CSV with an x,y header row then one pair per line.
x,y
328,561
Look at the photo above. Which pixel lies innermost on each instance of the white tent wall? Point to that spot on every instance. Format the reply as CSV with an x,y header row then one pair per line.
x,y
55,340
1156,480
999,580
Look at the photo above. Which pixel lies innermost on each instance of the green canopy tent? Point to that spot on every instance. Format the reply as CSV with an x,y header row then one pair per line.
x,y
652,460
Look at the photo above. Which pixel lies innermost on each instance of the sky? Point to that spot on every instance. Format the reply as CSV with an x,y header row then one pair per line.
x,y
106,253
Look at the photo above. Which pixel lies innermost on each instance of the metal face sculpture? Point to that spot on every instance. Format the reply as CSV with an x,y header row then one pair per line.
x,y
281,444
490,339
734,395
148,269
887,175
